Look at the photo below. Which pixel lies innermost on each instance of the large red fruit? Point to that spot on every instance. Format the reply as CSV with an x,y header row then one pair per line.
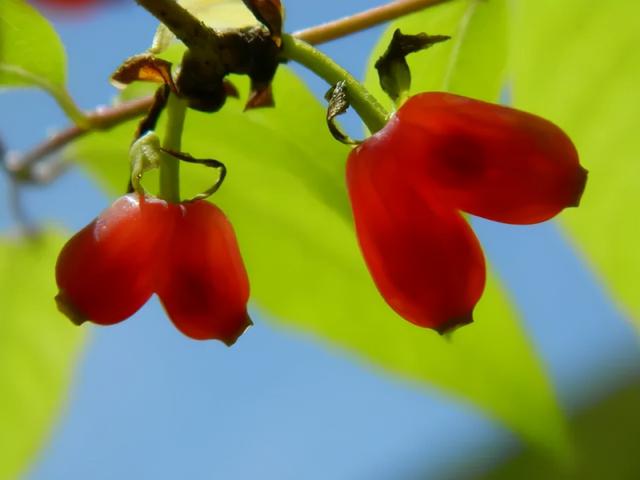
x,y
205,288
441,153
108,270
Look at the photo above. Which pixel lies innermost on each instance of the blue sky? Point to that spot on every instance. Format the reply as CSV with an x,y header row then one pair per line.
x,y
148,403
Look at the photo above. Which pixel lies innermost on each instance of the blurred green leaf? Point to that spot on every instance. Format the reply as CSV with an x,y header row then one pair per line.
x,y
606,445
286,197
30,51
32,55
472,63
579,65
38,347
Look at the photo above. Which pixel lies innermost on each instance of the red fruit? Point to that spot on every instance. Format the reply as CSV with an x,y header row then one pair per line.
x,y
422,255
185,253
107,271
205,289
441,153
488,160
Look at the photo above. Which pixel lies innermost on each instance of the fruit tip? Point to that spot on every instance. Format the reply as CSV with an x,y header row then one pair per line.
x,y
246,324
67,309
453,324
582,183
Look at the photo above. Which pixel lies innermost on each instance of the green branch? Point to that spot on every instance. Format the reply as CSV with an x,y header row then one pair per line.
x,y
370,110
169,165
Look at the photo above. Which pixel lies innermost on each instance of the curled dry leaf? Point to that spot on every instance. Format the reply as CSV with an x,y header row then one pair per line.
x,y
145,68
338,105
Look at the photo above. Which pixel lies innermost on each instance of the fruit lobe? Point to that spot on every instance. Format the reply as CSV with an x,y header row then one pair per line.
x,y
108,270
206,289
423,257
488,160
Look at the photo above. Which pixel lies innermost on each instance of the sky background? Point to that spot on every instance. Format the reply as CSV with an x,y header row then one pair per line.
x,y
149,403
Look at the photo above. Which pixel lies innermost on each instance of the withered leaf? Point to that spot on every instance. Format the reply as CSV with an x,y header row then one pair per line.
x,y
338,104
145,68
261,96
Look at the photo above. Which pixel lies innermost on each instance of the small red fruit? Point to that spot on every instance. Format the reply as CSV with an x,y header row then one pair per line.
x,y
186,253
107,271
205,289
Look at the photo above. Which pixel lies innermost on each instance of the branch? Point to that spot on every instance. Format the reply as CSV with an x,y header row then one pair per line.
x,y
362,21
197,34
191,31
100,119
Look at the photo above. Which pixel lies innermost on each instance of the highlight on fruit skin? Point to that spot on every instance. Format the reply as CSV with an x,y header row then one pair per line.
x,y
107,271
440,155
141,245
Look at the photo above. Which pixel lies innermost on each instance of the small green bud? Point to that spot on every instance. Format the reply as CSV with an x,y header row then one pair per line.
x,y
144,155
393,70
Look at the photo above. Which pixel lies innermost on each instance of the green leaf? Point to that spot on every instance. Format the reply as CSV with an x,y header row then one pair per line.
x,y
38,348
579,66
286,197
472,63
32,55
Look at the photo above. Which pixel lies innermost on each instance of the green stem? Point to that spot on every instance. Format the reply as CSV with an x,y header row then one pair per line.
x,y
65,101
58,92
370,110
169,165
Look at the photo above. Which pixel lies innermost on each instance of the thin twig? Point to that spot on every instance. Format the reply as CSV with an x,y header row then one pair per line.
x,y
100,119
16,207
362,21
108,117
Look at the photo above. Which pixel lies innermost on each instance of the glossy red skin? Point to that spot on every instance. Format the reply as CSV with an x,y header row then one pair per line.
x,y
107,270
422,255
491,161
69,5
205,288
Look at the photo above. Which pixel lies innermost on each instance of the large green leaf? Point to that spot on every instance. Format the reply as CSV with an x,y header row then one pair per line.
x,y
286,197
32,55
38,348
580,66
473,63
